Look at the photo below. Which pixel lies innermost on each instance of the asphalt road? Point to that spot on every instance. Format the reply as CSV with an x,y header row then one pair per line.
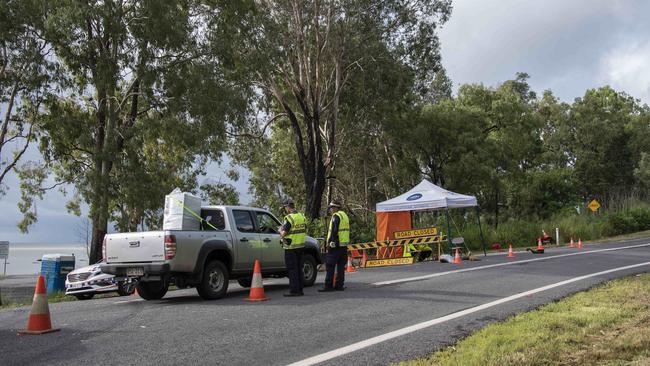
x,y
339,328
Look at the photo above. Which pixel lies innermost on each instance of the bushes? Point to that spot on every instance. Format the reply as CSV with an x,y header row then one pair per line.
x,y
626,217
629,221
587,226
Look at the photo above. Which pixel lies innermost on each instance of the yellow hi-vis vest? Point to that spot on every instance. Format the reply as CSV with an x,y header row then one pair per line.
x,y
344,228
297,232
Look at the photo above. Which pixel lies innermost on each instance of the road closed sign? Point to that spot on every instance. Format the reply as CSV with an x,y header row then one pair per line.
x,y
389,262
415,233
4,249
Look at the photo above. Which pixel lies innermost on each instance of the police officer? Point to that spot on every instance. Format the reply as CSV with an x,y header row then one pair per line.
x,y
338,237
293,232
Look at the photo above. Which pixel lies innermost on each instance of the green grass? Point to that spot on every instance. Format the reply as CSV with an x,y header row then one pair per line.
x,y
51,299
608,325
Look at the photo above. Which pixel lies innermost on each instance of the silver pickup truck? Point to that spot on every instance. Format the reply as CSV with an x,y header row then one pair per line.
x,y
224,249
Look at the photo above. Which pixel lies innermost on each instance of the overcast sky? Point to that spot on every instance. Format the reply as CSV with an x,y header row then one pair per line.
x,y
567,46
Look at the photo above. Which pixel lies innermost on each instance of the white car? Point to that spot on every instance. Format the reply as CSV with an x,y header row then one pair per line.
x,y
84,283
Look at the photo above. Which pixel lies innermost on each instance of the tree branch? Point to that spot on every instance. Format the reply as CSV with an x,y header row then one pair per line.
x,y
266,125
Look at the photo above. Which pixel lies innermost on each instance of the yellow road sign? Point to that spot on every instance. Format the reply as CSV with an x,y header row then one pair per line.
x,y
389,262
594,205
429,231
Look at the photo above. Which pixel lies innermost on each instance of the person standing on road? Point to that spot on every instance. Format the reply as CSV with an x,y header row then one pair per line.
x,y
293,232
338,238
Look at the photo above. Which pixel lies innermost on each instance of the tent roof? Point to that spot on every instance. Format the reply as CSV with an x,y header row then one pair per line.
x,y
426,196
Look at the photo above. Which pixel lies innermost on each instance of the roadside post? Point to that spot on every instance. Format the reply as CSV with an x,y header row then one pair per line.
x,y
557,236
4,254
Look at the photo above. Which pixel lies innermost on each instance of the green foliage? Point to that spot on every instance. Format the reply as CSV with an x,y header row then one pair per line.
x,y
26,71
219,194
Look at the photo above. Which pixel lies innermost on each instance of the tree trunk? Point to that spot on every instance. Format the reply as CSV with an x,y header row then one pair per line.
x,y
96,242
314,197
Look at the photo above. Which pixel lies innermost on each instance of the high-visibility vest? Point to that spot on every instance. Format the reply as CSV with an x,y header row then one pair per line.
x,y
344,228
297,232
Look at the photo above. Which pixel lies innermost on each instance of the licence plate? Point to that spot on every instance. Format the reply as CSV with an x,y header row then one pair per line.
x,y
73,286
135,271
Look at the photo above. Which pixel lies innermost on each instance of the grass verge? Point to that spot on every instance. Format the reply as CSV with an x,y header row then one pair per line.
x,y
607,325
51,299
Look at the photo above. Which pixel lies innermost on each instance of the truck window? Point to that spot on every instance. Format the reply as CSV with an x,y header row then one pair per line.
x,y
266,223
243,221
215,218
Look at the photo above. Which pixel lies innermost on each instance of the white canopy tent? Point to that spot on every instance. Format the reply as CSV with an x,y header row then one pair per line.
x,y
426,196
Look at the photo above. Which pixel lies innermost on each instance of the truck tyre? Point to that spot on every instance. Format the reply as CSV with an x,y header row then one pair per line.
x,y
215,281
309,270
245,282
152,290
125,288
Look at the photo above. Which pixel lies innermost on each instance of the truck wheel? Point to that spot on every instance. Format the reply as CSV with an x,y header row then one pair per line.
x,y
309,270
125,288
86,296
215,281
245,282
152,290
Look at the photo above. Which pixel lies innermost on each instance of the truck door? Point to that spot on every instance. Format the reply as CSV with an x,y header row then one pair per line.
x,y
272,254
247,243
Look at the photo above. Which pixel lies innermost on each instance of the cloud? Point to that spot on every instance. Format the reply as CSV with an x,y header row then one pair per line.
x,y
627,68
559,43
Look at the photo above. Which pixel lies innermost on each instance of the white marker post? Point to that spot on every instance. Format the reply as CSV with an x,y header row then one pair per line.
x,y
557,236
4,254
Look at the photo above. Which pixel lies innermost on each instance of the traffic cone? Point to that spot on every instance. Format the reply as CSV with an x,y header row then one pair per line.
x,y
457,258
571,244
364,259
579,243
350,267
257,288
39,321
510,253
539,245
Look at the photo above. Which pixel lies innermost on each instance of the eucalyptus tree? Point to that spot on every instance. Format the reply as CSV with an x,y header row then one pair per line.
x,y
300,56
25,76
141,105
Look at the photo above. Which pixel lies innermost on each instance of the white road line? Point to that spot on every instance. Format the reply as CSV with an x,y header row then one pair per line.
x,y
413,328
126,301
425,277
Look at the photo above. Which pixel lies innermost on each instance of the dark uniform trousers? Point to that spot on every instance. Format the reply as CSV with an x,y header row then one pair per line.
x,y
337,258
293,258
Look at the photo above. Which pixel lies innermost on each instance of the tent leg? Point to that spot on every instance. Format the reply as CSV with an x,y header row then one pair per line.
x,y
448,230
480,230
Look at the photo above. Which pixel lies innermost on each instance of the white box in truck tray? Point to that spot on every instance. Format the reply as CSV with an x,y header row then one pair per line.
x,y
177,215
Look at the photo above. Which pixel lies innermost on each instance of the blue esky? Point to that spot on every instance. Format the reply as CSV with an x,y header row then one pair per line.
x,y
567,46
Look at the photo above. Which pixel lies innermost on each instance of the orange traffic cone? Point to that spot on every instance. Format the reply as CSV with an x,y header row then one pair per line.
x,y
257,288
364,259
39,321
579,243
510,253
539,245
350,267
571,244
457,258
